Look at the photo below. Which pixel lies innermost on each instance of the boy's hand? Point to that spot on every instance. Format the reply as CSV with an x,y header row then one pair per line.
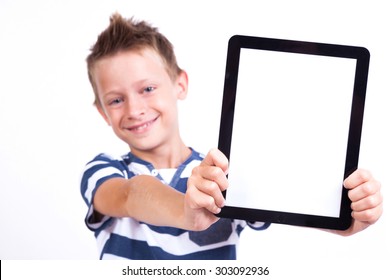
x,y
204,196
367,201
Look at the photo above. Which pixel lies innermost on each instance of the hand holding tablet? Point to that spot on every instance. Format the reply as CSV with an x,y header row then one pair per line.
x,y
291,125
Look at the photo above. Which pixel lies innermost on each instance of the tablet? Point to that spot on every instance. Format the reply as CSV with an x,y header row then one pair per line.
x,y
290,126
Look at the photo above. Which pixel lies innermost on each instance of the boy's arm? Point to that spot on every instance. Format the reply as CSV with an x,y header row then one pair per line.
x,y
142,197
146,199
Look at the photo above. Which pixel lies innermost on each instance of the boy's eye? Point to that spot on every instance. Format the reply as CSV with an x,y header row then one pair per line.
x,y
115,101
149,89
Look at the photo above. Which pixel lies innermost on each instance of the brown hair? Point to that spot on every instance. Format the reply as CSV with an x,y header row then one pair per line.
x,y
127,34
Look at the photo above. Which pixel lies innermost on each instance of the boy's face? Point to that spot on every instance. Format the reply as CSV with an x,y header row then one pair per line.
x,y
139,99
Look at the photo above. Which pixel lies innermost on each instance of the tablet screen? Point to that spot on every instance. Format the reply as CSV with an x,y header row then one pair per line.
x,y
290,132
291,126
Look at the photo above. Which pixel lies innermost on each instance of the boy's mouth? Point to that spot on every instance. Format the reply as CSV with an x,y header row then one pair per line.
x,y
141,127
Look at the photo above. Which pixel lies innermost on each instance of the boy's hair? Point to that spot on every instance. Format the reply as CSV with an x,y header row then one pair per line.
x,y
127,34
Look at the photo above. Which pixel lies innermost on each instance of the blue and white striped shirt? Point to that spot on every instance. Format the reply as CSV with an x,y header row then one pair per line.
x,y
119,238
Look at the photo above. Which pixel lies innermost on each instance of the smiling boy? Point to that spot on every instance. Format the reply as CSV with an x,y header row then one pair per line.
x,y
158,201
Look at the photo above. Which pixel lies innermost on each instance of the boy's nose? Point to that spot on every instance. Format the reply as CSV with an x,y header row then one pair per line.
x,y
135,106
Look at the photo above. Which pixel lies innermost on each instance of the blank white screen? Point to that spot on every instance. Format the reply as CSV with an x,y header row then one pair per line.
x,y
290,132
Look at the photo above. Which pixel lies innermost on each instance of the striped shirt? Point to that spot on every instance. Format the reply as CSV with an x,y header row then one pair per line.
x,y
119,238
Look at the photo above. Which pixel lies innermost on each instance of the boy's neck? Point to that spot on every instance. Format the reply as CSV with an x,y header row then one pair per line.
x,y
165,158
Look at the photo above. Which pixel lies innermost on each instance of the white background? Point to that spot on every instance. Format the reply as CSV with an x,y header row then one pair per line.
x,y
49,128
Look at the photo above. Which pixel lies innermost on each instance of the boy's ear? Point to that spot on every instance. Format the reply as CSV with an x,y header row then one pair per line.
x,y
103,114
182,81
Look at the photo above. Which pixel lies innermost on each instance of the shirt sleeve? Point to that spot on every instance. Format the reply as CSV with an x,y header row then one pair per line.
x,y
96,172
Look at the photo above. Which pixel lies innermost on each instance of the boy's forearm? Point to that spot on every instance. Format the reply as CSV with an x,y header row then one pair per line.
x,y
153,202
143,198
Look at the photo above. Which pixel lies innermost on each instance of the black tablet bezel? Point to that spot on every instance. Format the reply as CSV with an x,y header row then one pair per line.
x,y
362,56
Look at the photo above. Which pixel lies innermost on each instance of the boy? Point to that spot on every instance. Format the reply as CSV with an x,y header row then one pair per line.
x,y
159,200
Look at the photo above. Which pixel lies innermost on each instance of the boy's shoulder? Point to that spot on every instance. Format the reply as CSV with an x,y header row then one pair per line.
x,y
108,157
105,158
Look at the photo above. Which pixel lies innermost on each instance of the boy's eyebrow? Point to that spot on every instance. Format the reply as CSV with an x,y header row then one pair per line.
x,y
111,92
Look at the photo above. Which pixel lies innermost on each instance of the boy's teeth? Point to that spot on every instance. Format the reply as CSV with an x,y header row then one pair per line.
x,y
141,127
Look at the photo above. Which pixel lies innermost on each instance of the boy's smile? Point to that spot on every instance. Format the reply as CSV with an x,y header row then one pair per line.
x,y
138,99
142,127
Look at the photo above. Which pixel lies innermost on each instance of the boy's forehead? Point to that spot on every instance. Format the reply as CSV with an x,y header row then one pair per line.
x,y
139,64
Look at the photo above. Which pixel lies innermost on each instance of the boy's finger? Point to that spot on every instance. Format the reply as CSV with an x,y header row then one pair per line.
x,y
200,200
216,158
364,190
370,216
213,174
357,178
369,202
212,188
